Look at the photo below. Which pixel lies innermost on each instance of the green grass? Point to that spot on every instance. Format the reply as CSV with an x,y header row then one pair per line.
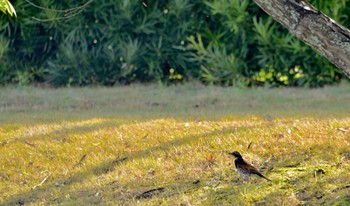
x,y
109,146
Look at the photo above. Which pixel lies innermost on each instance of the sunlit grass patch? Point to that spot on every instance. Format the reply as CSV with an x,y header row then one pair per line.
x,y
171,161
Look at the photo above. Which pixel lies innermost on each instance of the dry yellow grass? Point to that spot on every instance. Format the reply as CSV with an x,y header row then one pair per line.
x,y
174,159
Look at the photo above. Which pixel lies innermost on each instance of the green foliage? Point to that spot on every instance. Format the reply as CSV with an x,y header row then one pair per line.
x,y
230,42
217,65
7,8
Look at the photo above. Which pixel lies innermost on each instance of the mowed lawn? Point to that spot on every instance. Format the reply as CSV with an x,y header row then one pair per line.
x,y
158,145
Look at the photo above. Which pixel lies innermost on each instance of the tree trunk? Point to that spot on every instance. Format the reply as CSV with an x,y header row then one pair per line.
x,y
312,27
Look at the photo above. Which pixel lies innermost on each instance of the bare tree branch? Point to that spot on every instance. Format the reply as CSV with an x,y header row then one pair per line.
x,y
68,12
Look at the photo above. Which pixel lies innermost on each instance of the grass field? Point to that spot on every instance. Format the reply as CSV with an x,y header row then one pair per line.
x,y
154,145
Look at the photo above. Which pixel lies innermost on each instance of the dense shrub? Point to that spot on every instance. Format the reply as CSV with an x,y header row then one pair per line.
x,y
228,42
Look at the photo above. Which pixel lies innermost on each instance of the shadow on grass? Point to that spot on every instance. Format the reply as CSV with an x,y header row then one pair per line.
x,y
60,133
45,192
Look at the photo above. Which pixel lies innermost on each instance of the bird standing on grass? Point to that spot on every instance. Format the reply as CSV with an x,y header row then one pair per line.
x,y
245,168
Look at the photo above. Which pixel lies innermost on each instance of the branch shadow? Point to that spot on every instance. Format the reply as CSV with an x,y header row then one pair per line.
x,y
61,133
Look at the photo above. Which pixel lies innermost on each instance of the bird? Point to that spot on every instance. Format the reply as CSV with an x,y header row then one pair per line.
x,y
245,168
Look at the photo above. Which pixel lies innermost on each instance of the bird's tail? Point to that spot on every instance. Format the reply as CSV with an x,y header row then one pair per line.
x,y
259,174
267,178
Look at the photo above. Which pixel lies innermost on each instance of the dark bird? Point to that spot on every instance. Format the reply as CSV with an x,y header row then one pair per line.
x,y
245,168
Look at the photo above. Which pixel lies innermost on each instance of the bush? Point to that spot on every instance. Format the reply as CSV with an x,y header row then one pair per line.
x,y
228,42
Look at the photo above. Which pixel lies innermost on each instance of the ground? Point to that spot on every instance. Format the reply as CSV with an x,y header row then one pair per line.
x,y
152,145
